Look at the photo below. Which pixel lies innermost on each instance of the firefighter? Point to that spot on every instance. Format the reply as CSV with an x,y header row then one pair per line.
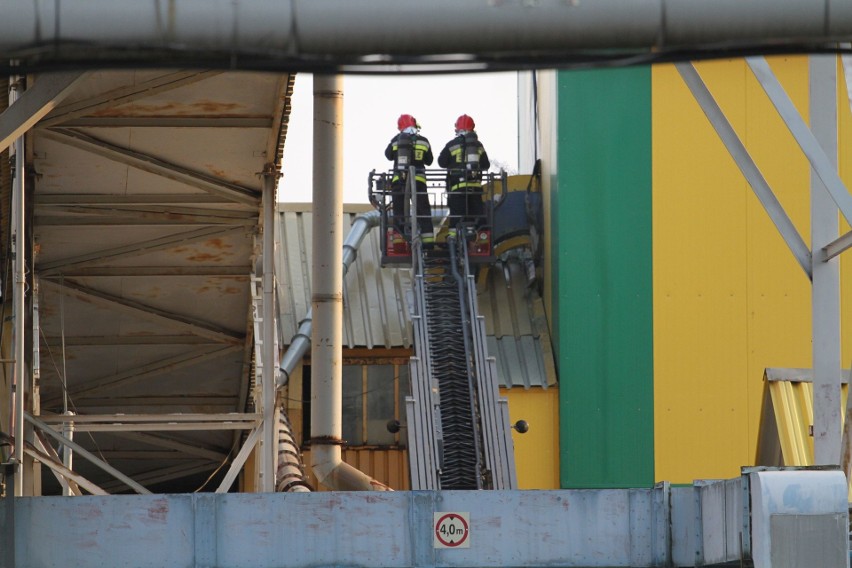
x,y
465,159
409,148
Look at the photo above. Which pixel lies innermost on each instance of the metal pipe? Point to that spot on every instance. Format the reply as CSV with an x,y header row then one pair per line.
x,y
334,28
19,212
267,439
301,341
327,296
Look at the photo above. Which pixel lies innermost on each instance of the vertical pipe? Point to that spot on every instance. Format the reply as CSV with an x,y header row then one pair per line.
x,y
267,439
19,299
327,296
327,277
825,297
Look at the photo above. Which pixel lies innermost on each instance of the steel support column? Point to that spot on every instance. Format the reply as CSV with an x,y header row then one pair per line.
x,y
19,295
826,273
268,385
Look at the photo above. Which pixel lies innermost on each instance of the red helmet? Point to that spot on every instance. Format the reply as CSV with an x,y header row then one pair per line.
x,y
464,122
404,121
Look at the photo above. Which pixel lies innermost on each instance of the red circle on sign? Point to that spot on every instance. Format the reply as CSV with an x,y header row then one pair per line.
x,y
465,530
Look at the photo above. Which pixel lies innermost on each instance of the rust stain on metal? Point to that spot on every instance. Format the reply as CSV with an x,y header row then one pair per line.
x,y
493,522
334,502
204,257
211,107
218,244
137,109
159,510
154,292
327,441
201,109
47,310
215,171
90,512
218,289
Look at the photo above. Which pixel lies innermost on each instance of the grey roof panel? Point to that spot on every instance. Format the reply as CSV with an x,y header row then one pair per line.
x,y
376,311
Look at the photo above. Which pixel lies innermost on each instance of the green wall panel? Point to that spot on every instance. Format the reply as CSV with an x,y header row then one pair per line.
x,y
602,274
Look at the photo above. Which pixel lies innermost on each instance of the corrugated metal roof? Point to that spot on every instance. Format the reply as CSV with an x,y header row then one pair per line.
x,y
376,300
145,206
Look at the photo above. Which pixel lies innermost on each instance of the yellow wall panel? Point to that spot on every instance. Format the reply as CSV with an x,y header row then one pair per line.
x,y
699,212
844,118
537,451
729,299
779,293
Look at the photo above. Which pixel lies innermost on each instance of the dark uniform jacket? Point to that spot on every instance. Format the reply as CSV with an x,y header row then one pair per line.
x,y
453,158
421,155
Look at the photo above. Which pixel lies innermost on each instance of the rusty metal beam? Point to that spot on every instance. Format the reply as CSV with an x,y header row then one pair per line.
x,y
124,95
152,165
138,309
144,372
60,470
163,441
94,340
135,249
137,199
124,479
263,122
159,401
239,461
166,474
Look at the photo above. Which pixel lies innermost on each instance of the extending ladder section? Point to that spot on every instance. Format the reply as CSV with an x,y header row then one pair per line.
x,y
458,426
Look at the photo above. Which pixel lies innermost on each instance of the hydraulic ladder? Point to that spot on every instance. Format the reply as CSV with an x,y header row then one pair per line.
x,y
458,426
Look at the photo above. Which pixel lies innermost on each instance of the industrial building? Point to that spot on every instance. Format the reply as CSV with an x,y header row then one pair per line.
x,y
193,376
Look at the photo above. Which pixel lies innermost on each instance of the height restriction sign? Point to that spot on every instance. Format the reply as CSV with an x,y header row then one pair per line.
x,y
452,530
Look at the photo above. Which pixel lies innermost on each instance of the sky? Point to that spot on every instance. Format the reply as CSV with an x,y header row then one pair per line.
x,y
371,106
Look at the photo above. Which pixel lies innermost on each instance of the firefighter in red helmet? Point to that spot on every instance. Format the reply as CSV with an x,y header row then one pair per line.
x,y
465,159
409,148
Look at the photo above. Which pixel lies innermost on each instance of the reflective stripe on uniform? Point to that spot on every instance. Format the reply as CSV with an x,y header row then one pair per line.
x,y
417,177
466,184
